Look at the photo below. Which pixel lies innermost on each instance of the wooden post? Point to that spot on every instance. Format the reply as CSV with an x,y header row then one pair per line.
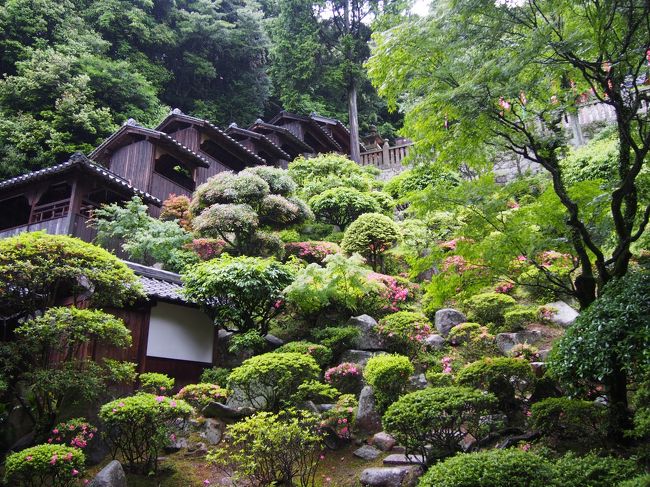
x,y
385,155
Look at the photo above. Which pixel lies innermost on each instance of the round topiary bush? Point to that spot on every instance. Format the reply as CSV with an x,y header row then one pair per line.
x,y
371,235
405,331
518,316
138,427
155,383
45,466
474,341
431,422
320,353
438,379
565,418
388,375
463,333
489,307
269,381
492,468
200,395
509,379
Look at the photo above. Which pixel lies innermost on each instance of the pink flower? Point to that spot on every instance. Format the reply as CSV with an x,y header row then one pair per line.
x,y
55,431
121,404
322,457
160,398
526,447
206,482
54,459
29,458
172,404
68,457
74,472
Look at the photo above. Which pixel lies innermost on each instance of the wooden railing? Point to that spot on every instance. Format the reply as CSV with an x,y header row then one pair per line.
x,y
387,157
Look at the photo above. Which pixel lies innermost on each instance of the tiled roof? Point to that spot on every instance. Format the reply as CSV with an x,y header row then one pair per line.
x,y
81,161
131,126
159,284
205,123
276,128
233,127
311,121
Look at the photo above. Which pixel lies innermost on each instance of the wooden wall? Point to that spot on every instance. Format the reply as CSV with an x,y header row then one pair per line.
x,y
134,163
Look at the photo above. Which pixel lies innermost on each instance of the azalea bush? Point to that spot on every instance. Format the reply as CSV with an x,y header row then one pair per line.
x,y
517,317
346,377
489,308
473,341
316,392
509,379
75,432
337,338
45,466
405,331
525,351
320,353
270,380
200,395
388,375
396,294
272,449
156,383
311,252
560,418
340,418
138,427
432,422
215,375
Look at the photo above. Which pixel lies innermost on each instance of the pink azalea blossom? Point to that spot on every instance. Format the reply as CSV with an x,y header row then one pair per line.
x,y
54,459
74,472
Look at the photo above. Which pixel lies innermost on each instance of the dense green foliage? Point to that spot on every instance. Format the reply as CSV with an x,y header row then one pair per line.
x,y
272,448
388,375
45,466
138,427
371,235
432,422
245,292
341,206
200,395
405,331
156,383
594,470
564,418
269,381
321,354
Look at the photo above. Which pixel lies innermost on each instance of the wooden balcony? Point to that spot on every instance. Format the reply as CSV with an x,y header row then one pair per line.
x,y
386,157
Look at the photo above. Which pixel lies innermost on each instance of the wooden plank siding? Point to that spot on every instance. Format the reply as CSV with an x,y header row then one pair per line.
x,y
134,162
56,226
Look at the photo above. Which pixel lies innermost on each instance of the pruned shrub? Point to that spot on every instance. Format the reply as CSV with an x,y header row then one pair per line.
x,y
337,338
269,381
564,418
340,418
439,417
138,427
342,206
272,449
593,470
45,466
346,377
311,252
525,351
405,331
200,395
509,379
474,341
491,468
517,317
215,375
438,379
156,383
207,248
388,375
315,391
396,294
320,353
489,307
371,235
75,432
278,180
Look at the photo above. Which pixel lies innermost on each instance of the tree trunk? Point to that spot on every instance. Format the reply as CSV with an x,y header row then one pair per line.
x,y
353,115
619,414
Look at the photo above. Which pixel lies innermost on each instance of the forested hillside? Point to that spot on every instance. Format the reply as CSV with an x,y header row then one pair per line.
x,y
74,70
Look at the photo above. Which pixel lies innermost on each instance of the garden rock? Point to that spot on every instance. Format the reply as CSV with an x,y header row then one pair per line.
x,y
543,354
321,408
446,319
565,314
418,381
368,419
177,444
212,431
403,459
368,338
112,475
196,450
222,411
505,341
360,357
435,342
367,452
391,477
538,368
273,342
383,441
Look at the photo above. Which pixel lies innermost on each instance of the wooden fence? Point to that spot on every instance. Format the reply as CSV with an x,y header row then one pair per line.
x,y
387,157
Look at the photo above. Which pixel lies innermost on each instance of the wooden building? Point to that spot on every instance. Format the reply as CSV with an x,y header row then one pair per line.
x,y
260,144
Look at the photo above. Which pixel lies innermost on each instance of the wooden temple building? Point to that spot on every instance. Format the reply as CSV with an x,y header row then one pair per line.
x,y
170,335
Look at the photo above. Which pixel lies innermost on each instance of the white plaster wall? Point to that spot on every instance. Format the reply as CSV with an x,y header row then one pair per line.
x,y
181,333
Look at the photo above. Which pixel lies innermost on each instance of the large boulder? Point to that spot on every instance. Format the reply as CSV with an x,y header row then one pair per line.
x,y
368,419
505,341
564,315
273,342
446,319
112,475
403,459
435,342
212,431
383,441
360,357
222,411
405,476
368,338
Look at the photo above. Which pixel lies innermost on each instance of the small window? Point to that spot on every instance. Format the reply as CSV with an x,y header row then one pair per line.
x,y
175,170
